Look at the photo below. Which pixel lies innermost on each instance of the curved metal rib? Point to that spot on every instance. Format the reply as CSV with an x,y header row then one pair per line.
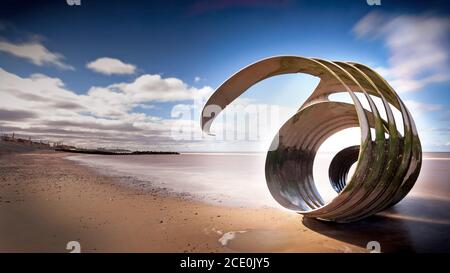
x,y
386,168
340,166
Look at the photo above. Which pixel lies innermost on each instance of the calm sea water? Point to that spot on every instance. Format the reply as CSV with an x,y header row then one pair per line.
x,y
238,179
230,179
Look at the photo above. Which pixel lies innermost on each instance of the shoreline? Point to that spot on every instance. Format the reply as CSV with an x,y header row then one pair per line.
x,y
47,201
180,176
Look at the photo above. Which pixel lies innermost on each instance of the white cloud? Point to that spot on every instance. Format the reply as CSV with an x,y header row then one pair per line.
x,y
419,111
418,48
148,88
415,106
197,79
43,106
109,66
36,53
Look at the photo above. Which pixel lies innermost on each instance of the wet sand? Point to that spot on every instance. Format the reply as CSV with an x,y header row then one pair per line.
x,y
47,201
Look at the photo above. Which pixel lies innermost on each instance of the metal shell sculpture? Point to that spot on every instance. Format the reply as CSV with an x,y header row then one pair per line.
x,y
386,167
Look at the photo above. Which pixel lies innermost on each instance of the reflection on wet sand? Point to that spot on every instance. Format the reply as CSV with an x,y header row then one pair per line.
x,y
415,225
420,223
394,230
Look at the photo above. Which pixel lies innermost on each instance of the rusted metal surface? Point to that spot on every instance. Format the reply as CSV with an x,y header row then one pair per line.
x,y
387,165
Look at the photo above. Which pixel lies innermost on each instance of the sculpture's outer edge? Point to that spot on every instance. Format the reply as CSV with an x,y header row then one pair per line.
x,y
388,162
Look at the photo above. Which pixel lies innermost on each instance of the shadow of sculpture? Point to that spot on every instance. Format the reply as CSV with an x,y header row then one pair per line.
x,y
416,224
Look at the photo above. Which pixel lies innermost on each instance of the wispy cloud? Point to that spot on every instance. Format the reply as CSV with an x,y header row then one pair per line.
x,y
421,107
35,53
417,44
109,66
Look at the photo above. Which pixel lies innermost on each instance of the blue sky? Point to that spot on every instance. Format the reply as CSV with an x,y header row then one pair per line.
x,y
199,44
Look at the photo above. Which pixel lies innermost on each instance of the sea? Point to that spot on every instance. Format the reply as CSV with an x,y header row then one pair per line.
x,y
238,179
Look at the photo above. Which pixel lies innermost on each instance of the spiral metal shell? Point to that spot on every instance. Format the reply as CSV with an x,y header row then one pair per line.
x,y
387,165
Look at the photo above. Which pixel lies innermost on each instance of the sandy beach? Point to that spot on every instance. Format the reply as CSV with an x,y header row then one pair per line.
x,y
47,201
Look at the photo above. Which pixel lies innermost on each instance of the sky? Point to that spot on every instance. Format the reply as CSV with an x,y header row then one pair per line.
x,y
135,74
